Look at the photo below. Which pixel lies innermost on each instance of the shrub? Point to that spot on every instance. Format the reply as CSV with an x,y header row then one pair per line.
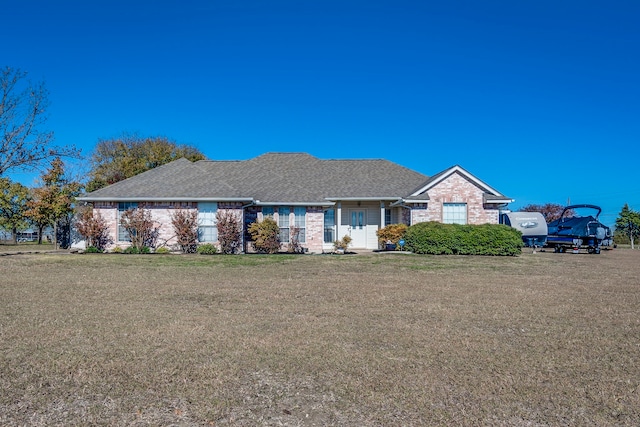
x,y
265,236
229,233
440,239
294,241
342,244
163,250
117,250
140,227
134,250
207,249
92,250
93,228
392,233
185,225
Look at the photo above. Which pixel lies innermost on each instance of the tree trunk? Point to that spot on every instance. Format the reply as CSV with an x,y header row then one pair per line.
x,y
631,238
15,235
40,228
55,235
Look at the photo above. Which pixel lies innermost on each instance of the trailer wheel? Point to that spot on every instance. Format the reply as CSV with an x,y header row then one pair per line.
x,y
597,251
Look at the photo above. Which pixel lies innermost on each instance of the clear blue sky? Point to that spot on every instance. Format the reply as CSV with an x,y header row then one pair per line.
x,y
540,99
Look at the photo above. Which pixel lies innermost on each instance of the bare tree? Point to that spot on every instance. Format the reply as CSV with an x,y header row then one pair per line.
x,y
23,106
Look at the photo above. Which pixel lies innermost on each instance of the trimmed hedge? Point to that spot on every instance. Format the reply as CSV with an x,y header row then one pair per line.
x,y
455,239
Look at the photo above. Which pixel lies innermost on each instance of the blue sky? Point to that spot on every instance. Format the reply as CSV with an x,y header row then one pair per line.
x,y
540,99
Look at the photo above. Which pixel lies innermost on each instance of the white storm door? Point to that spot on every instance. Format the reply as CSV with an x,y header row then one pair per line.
x,y
358,228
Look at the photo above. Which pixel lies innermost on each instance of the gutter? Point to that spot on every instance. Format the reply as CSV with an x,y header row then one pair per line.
x,y
163,199
363,199
402,202
260,203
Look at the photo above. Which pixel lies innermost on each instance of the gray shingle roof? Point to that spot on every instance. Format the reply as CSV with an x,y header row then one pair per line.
x,y
269,178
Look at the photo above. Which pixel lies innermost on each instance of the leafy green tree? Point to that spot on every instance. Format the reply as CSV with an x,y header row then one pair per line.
x,y
13,206
23,105
53,200
265,236
116,159
628,222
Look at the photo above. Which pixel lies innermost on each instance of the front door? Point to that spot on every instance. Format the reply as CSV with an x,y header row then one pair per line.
x,y
358,229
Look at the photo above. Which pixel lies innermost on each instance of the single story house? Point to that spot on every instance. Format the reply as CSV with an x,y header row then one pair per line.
x,y
325,199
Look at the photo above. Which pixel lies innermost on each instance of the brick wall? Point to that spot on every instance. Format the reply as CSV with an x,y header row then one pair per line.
x,y
315,229
161,213
456,189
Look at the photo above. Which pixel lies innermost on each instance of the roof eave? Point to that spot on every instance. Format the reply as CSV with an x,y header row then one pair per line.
x,y
262,203
164,199
363,199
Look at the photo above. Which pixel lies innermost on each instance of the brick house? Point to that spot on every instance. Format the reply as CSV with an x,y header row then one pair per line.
x,y
325,199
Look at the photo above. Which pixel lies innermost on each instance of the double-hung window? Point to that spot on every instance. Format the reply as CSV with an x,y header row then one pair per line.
x,y
301,223
283,223
207,224
454,213
387,217
123,235
330,226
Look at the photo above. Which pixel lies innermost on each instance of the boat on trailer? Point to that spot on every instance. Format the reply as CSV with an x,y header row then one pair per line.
x,y
573,231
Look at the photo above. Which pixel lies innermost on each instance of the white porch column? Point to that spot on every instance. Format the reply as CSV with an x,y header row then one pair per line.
x,y
382,216
338,221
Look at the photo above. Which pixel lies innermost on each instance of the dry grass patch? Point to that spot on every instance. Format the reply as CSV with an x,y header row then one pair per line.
x,y
373,340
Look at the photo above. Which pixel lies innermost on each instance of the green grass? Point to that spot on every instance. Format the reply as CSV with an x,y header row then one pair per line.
x,y
367,340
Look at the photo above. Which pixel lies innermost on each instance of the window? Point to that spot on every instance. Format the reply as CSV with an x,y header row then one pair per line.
x,y
357,220
283,223
300,222
267,211
207,224
387,216
123,236
454,213
330,226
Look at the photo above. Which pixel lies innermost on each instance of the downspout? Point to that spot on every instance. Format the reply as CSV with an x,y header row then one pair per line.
x,y
500,206
400,203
